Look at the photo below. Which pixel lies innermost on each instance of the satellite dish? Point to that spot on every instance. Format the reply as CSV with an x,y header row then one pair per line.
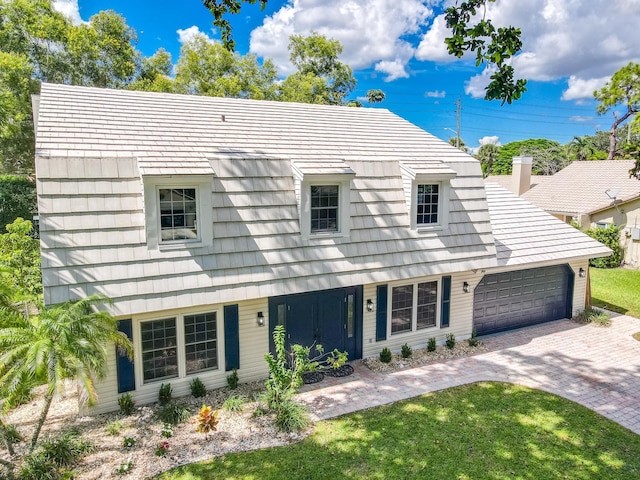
x,y
612,193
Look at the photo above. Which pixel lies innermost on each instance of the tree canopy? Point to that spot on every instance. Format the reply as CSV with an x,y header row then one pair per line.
x,y
548,156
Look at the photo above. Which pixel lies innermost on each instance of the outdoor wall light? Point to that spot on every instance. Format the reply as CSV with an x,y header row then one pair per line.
x,y
260,319
582,273
465,287
369,305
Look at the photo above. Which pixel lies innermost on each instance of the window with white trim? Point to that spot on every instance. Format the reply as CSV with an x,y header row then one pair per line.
x,y
325,208
178,214
427,204
178,346
200,342
414,307
159,342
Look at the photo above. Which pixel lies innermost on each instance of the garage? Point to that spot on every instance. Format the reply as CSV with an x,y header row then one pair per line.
x,y
520,298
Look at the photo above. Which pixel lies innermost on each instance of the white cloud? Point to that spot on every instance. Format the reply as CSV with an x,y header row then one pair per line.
x,y
579,88
394,69
489,140
585,40
436,94
371,31
475,86
581,119
69,8
187,34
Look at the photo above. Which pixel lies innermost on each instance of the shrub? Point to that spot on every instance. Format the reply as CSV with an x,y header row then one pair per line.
x,y
167,430
114,428
129,442
291,417
165,394
610,237
450,342
407,351
473,340
233,380
38,467
67,449
591,315
21,394
234,403
10,433
431,344
197,388
174,413
207,420
126,403
385,355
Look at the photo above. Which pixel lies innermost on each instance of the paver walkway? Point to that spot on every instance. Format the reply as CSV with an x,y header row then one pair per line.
x,y
596,367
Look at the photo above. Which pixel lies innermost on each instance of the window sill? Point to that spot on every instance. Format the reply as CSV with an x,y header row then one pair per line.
x,y
429,228
180,245
416,331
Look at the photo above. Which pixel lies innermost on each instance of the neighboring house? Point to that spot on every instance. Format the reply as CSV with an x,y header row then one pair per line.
x,y
594,194
208,221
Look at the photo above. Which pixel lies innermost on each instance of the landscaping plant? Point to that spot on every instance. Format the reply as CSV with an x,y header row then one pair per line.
x,y
450,342
197,388
207,420
431,344
165,394
406,351
233,380
174,413
385,355
473,340
126,403
234,403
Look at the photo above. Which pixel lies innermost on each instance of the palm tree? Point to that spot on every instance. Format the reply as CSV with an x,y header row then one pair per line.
x,y
66,341
582,147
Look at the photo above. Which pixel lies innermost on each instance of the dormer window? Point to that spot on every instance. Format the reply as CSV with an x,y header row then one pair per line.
x,y
178,214
427,204
323,193
427,187
325,208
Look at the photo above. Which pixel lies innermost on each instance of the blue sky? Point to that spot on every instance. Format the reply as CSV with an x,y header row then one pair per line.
x,y
570,49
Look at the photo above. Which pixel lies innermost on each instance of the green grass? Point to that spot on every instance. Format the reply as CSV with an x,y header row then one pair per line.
x,y
616,289
479,431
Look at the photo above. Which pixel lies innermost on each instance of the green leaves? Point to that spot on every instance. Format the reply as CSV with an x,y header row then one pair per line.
x,y
219,8
492,46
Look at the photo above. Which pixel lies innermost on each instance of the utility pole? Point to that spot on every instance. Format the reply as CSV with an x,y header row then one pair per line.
x,y
458,108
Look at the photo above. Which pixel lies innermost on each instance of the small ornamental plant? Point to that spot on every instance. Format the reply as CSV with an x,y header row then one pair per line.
x,y
473,340
165,394
233,380
167,430
450,342
385,355
129,442
162,448
407,351
431,344
197,388
126,403
207,420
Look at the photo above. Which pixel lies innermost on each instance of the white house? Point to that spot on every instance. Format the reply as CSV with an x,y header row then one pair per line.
x,y
210,220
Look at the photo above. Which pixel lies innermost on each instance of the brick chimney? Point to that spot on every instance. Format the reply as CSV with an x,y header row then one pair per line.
x,y
521,176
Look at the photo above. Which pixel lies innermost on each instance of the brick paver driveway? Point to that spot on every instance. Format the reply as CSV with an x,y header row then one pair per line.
x,y
596,367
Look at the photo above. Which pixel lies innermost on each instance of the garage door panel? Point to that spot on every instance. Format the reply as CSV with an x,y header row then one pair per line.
x,y
521,298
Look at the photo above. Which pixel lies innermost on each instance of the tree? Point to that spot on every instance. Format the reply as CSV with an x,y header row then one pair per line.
x,y
20,254
623,89
219,8
102,52
582,148
154,73
487,154
375,96
492,46
17,199
207,68
317,55
67,341
548,156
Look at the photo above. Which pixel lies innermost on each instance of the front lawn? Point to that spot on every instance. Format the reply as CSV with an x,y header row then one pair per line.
x,y
616,289
479,431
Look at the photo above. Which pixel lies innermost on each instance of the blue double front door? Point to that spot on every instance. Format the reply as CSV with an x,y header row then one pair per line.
x,y
331,318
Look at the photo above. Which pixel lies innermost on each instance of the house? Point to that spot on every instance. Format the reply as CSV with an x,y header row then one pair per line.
x,y
591,193
209,221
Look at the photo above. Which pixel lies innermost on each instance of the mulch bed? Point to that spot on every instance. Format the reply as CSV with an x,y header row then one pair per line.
x,y
343,371
312,377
